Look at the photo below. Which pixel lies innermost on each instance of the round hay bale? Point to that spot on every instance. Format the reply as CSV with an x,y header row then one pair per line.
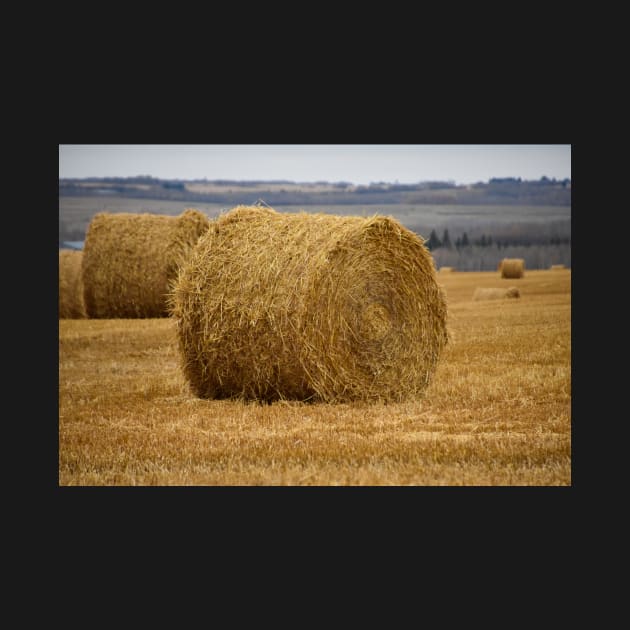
x,y
131,260
309,307
482,293
71,304
557,267
447,269
512,268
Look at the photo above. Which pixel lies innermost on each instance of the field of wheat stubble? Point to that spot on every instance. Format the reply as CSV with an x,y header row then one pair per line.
x,y
497,410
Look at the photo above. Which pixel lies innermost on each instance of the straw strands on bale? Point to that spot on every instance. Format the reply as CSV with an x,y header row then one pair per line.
x,y
131,260
309,307
557,267
512,268
495,294
71,305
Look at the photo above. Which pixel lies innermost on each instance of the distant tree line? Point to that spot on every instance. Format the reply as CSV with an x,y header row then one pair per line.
x,y
474,258
539,244
463,241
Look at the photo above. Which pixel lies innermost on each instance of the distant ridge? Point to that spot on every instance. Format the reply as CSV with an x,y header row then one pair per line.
x,y
497,191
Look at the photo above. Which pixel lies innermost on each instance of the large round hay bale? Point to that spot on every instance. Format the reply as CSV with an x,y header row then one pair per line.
x,y
491,293
309,307
71,305
131,260
512,268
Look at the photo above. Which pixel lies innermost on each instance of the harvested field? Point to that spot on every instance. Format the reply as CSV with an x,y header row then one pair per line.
x,y
495,293
497,410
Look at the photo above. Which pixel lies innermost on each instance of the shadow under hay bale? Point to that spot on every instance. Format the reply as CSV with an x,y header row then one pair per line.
x,y
131,260
309,307
512,268
495,293
71,304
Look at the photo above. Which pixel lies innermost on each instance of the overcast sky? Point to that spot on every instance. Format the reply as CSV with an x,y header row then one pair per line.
x,y
355,163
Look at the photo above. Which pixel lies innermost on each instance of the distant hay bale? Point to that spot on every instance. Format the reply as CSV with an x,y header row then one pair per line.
x,y
557,267
512,268
71,305
131,260
309,307
447,269
495,293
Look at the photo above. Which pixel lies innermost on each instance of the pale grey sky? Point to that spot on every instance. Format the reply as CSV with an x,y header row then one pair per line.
x,y
355,163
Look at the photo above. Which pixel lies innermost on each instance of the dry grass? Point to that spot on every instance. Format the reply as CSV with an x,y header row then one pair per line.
x,y
497,412
130,261
71,304
495,293
308,306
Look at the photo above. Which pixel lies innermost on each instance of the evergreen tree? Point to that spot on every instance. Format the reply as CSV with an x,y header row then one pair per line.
x,y
434,241
446,240
465,241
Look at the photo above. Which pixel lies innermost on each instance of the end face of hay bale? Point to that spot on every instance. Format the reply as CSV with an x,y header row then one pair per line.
x,y
131,260
512,268
309,307
71,304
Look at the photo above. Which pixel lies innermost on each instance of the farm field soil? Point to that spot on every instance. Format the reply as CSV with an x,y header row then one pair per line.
x,y
497,412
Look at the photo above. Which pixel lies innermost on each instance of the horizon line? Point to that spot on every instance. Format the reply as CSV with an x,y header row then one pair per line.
x,y
318,181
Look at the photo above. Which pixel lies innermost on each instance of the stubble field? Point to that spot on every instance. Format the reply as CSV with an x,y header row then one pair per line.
x,y
497,412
